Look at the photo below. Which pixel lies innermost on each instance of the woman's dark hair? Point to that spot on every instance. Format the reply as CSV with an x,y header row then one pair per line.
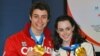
x,y
76,36
40,5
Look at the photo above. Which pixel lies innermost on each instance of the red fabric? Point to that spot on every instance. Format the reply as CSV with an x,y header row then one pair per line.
x,y
18,44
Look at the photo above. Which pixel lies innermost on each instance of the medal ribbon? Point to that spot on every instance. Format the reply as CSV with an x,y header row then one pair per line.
x,y
33,36
70,48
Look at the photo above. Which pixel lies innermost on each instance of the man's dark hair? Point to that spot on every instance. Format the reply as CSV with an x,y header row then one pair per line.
x,y
40,5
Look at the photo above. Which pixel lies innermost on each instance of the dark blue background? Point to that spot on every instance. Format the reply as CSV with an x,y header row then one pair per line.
x,y
14,15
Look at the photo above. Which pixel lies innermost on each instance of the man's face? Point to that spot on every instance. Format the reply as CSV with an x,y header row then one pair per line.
x,y
39,19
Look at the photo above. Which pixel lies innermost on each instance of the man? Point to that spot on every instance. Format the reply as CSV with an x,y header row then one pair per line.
x,y
35,33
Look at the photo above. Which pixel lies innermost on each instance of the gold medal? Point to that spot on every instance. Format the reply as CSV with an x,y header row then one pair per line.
x,y
39,48
80,51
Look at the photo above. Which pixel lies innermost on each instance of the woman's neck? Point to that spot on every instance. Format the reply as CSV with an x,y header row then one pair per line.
x,y
65,43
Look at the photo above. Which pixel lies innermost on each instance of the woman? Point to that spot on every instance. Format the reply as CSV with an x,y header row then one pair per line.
x,y
68,41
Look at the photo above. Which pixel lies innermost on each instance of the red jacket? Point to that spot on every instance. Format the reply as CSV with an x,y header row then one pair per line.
x,y
19,43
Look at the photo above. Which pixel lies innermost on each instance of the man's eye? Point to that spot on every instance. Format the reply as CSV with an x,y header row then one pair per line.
x,y
44,17
36,16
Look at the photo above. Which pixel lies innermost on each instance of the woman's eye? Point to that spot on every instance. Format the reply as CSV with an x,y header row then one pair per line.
x,y
67,28
60,30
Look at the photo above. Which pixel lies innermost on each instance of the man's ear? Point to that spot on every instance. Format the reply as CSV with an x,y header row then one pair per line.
x,y
30,17
48,20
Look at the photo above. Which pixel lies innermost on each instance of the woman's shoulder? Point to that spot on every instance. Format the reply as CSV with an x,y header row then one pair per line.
x,y
86,44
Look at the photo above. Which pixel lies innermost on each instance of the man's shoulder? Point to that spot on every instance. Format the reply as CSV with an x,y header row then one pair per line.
x,y
15,35
47,33
21,33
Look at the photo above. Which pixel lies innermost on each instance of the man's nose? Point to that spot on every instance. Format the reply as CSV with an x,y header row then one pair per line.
x,y
40,20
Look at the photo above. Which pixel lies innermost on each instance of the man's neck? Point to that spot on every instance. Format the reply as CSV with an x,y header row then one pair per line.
x,y
36,32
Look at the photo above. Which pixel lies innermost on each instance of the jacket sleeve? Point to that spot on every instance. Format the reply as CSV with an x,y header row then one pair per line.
x,y
9,48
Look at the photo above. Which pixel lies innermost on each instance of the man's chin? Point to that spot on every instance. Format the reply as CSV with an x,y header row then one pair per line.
x,y
40,29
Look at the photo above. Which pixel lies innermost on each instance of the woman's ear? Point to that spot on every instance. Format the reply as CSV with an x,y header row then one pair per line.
x,y
73,28
57,31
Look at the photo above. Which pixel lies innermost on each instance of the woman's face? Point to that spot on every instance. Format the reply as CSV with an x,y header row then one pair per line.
x,y
65,30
